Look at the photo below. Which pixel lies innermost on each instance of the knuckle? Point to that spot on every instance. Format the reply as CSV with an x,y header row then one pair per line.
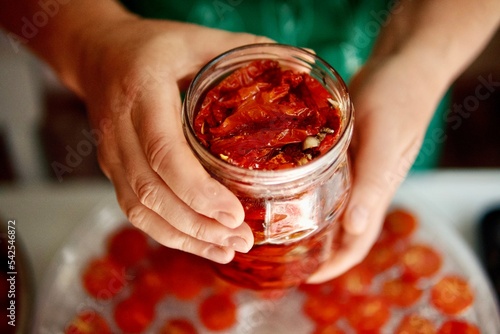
x,y
157,150
146,189
137,215
198,231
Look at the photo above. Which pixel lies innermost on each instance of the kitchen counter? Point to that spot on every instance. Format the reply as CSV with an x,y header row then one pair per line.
x,y
47,213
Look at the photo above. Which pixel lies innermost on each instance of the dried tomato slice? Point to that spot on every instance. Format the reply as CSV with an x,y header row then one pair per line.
x,y
178,326
368,312
88,322
399,224
420,261
452,295
260,116
400,292
102,278
415,324
218,312
127,246
458,327
134,315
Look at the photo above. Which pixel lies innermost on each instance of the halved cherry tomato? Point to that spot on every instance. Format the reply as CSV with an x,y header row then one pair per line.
x,y
355,281
186,275
420,261
452,295
103,278
127,246
88,322
400,292
382,256
330,329
415,324
178,326
323,309
368,313
217,312
399,224
150,285
134,315
458,327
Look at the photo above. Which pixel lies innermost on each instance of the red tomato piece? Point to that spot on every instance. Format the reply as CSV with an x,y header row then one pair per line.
x,y
420,261
330,329
355,281
452,295
150,286
134,315
400,292
368,313
260,115
218,312
88,322
415,324
103,278
186,275
382,256
323,309
399,224
178,326
128,246
458,327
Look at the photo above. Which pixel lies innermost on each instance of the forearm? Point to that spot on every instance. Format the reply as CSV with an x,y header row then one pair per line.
x,y
443,35
57,30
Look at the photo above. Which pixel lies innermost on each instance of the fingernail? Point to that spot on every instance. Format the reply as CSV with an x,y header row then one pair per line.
x,y
225,219
359,220
237,243
217,254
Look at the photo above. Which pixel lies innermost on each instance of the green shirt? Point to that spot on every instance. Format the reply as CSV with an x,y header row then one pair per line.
x,y
340,31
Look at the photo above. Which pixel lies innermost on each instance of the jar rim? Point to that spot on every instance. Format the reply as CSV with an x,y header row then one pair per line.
x,y
279,175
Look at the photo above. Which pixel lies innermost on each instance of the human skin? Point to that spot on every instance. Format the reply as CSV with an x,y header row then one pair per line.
x,y
130,71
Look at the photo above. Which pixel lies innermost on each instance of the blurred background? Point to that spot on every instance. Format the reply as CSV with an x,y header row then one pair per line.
x,y
44,131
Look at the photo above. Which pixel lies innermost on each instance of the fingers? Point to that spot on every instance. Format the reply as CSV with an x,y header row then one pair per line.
x,y
158,126
164,232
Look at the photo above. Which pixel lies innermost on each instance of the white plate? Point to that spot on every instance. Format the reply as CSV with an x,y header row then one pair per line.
x,y
62,295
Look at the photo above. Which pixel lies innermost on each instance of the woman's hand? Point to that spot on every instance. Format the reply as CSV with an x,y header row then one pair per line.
x,y
394,100
131,75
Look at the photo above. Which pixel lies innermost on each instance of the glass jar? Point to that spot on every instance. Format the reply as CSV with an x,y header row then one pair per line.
x,y
293,212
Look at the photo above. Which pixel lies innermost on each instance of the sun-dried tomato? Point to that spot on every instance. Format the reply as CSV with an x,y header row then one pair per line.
x,y
260,116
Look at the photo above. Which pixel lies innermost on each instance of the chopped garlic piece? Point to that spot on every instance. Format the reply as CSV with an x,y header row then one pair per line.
x,y
224,157
310,142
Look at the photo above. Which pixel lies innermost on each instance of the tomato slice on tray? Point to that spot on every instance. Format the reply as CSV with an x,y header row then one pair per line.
x,y
88,322
218,312
127,246
134,315
415,324
452,295
368,313
323,309
458,327
400,292
420,261
382,256
330,329
178,326
103,278
399,223
355,281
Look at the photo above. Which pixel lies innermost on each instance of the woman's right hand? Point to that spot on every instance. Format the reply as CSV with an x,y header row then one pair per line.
x,y
130,77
